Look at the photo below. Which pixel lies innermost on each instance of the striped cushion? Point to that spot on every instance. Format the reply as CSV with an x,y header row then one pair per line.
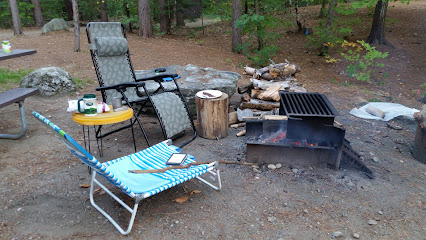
x,y
117,171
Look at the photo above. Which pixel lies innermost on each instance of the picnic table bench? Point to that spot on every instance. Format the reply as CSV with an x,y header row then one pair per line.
x,y
16,53
17,95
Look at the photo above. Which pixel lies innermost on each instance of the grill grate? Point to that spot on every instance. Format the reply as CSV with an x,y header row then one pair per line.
x,y
306,105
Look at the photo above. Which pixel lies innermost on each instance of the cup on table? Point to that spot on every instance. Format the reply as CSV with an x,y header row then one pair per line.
x,y
116,103
89,106
6,46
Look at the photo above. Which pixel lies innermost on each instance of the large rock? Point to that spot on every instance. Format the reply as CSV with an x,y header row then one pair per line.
x,y
50,81
55,24
194,79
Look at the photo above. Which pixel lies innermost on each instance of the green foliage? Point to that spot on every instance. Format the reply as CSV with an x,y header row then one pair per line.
x,y
5,16
260,29
82,83
362,58
10,78
52,9
25,13
220,8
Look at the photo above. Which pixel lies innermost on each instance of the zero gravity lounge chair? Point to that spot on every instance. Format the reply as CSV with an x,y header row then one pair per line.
x,y
137,186
111,58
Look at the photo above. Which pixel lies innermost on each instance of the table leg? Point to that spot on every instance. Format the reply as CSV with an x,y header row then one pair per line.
x,y
24,124
99,139
133,135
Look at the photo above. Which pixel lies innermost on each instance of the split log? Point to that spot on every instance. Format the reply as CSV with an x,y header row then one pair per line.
x,y
280,69
375,112
264,84
249,70
260,106
419,148
241,133
271,93
274,72
242,124
255,93
262,113
244,113
245,97
232,118
275,117
257,101
245,88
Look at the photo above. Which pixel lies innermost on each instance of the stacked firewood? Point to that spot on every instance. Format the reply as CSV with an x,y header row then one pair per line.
x,y
260,97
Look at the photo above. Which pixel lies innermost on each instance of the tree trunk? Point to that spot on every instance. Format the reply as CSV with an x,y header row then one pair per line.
x,y
256,7
128,16
76,26
68,9
17,29
245,6
180,17
377,33
328,24
145,24
103,10
323,9
38,16
163,16
236,32
299,24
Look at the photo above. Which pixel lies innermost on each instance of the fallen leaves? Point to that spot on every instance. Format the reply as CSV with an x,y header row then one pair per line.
x,y
181,199
194,192
185,198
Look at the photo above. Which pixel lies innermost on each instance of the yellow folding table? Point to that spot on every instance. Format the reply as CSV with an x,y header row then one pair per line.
x,y
100,119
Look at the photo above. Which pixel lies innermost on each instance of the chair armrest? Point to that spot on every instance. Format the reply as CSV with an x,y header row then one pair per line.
x,y
157,77
122,86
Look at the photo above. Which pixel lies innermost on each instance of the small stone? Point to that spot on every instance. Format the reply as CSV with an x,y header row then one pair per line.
x,y
278,165
272,166
401,161
19,209
356,235
337,234
371,153
256,170
372,222
305,211
375,159
380,212
295,170
255,166
272,219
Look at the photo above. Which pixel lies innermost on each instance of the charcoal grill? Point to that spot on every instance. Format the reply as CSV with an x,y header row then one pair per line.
x,y
310,137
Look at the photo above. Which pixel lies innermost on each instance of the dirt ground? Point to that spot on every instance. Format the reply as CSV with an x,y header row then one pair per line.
x,y
41,197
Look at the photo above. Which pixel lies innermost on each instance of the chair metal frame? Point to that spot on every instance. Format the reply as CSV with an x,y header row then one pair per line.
x,y
102,169
159,75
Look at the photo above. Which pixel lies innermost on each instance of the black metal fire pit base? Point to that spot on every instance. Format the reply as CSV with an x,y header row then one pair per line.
x,y
292,156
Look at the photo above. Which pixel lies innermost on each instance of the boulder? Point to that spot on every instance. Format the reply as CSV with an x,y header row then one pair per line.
x,y
50,81
194,79
55,24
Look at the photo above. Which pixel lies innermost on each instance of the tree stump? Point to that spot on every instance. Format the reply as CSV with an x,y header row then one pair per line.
x,y
419,148
212,116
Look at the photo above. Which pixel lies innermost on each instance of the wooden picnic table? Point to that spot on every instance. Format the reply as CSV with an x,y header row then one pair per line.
x,y
17,95
16,53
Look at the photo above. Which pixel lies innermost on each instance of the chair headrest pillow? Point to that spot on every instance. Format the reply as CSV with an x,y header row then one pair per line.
x,y
111,46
